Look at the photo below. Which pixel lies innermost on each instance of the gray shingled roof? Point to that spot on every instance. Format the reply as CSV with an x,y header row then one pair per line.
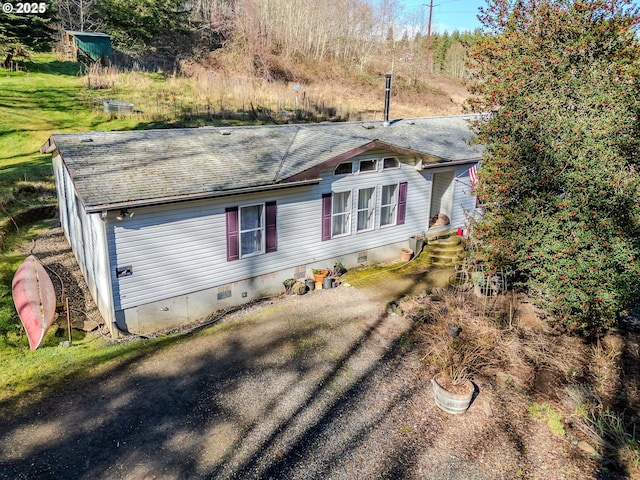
x,y
114,169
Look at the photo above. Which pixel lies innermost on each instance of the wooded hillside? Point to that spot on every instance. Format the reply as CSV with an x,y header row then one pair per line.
x,y
282,40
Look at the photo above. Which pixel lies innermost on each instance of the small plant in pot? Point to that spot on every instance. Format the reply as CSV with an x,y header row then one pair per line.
x,y
452,355
452,390
288,284
333,275
310,283
338,269
319,274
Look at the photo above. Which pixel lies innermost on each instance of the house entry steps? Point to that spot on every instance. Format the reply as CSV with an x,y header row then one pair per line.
x,y
445,252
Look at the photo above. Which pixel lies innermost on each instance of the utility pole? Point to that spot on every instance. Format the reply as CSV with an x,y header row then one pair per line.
x,y
426,55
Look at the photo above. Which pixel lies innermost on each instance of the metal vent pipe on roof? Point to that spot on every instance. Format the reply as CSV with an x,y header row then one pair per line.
x,y
387,95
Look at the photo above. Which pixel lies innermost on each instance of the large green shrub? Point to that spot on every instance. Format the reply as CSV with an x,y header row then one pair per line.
x,y
560,82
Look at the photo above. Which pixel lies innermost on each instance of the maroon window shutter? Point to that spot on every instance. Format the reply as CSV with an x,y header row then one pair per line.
x,y
402,203
326,216
233,234
271,244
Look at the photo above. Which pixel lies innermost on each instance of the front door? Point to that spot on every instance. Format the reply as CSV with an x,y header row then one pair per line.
x,y
441,199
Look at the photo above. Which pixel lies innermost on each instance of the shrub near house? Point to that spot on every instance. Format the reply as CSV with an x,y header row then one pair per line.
x,y
559,174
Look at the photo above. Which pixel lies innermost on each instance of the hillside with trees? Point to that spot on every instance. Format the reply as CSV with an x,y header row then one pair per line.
x,y
344,46
265,38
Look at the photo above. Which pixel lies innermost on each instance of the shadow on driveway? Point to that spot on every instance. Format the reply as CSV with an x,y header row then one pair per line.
x,y
305,387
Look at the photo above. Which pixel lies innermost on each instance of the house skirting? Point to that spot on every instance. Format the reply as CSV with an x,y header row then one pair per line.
x,y
184,309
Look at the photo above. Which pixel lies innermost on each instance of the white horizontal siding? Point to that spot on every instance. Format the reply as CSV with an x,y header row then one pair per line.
x,y
86,235
464,203
181,248
97,265
59,174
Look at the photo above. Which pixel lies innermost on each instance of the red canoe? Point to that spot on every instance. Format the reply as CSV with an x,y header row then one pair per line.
x,y
35,299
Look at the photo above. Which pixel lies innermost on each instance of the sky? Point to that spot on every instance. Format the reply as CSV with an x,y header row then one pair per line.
x,y
447,15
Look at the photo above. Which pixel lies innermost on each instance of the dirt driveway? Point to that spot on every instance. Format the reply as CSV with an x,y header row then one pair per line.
x,y
321,386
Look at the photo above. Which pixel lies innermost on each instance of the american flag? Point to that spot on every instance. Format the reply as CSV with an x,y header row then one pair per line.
x,y
473,175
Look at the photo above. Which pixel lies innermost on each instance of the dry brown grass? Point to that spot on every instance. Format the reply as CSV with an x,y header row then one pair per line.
x,y
328,93
471,352
505,342
98,77
495,338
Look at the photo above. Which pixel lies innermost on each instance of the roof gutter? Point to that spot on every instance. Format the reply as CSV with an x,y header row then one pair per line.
x,y
446,163
199,196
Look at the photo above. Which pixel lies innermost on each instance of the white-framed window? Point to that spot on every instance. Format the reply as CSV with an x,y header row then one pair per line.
x,y
337,209
366,209
251,230
345,168
341,214
388,205
369,165
390,162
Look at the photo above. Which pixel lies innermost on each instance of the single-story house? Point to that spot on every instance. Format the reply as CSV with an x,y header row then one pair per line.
x,y
171,225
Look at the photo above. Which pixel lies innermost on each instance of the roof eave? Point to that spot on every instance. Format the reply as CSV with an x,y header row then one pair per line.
x,y
199,196
442,163
49,146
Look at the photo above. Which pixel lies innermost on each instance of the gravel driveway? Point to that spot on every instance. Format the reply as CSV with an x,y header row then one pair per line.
x,y
321,386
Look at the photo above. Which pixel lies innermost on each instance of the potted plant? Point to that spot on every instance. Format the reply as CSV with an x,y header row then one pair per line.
x,y
405,254
452,389
310,283
288,284
452,395
332,278
338,269
319,274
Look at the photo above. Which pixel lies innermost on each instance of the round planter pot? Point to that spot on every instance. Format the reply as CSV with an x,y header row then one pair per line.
x,y
322,273
405,254
453,402
310,284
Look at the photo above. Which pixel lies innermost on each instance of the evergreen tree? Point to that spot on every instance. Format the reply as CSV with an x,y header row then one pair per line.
x,y
23,33
136,23
560,82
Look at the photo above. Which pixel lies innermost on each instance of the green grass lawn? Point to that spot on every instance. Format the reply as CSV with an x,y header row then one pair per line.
x,y
45,98
50,96
35,103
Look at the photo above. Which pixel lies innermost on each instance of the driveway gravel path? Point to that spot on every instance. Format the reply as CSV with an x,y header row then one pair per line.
x,y
321,386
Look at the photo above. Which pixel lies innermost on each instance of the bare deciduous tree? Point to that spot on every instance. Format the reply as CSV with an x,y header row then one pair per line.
x,y
78,15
